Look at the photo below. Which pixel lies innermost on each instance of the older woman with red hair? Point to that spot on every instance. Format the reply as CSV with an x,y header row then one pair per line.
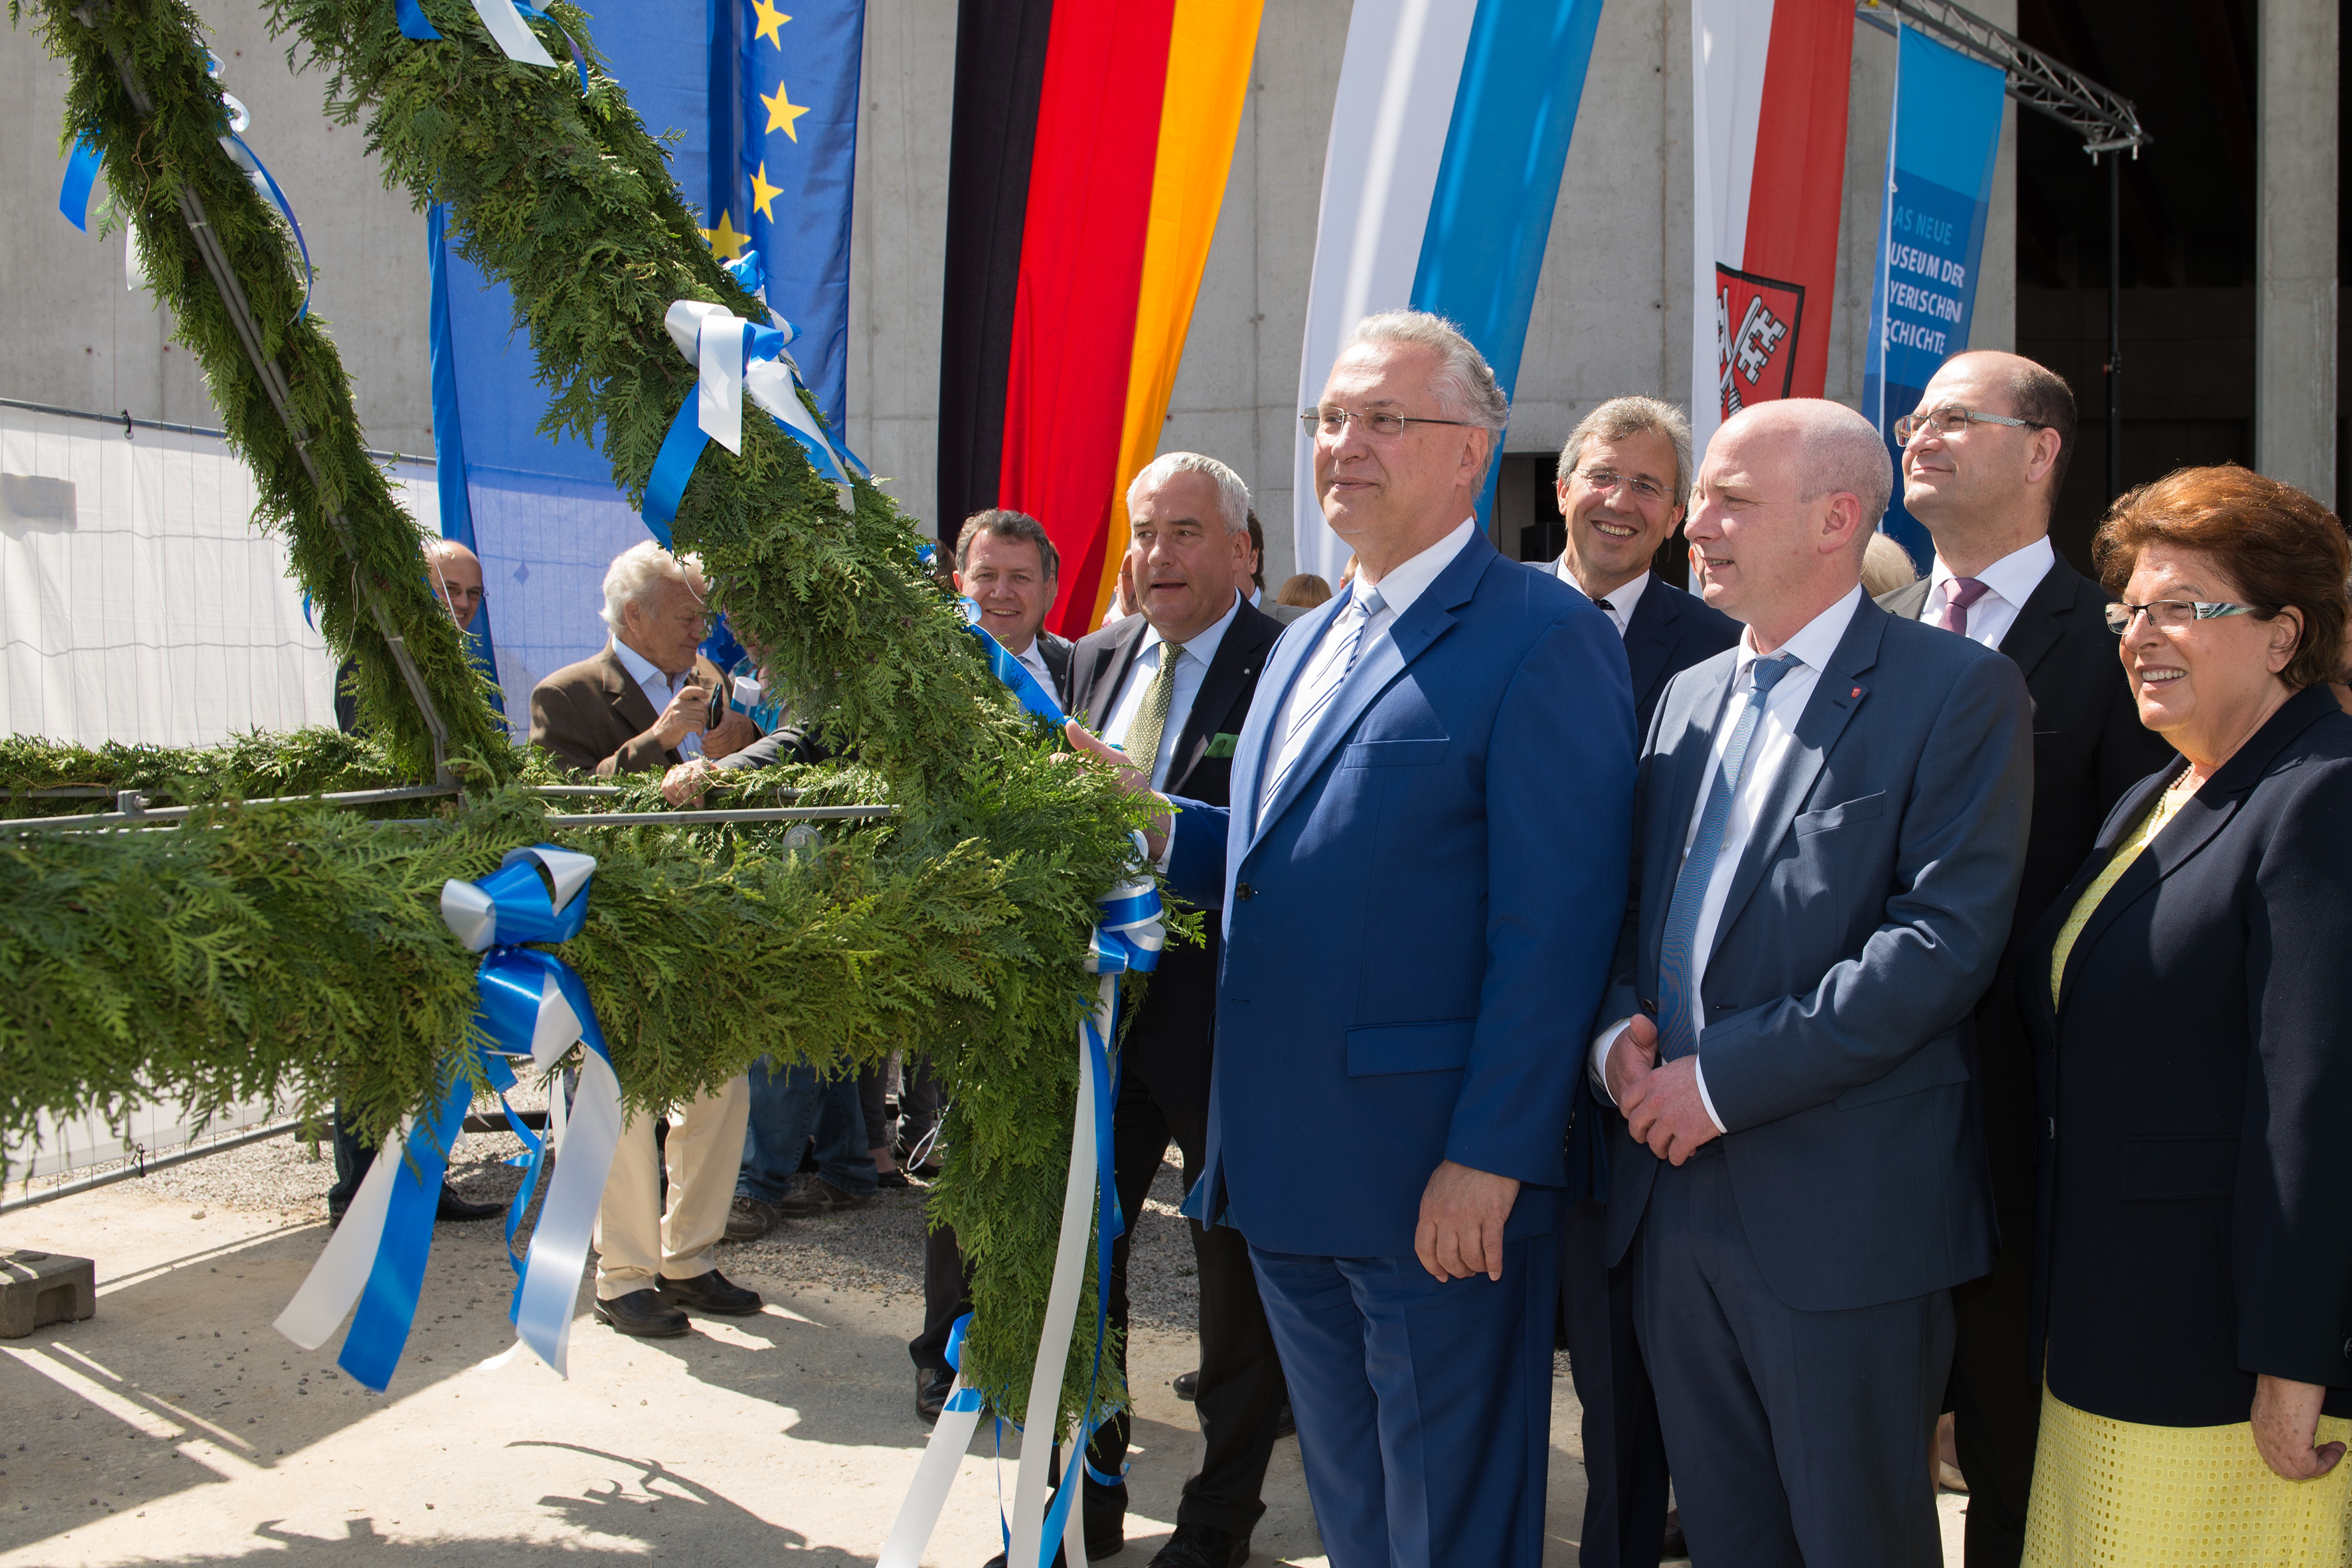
x,y
2193,1277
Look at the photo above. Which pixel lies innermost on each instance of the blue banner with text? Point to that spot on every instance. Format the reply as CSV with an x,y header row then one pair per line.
x,y
1940,166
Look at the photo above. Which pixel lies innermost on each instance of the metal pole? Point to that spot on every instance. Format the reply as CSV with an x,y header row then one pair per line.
x,y
142,1167
2114,324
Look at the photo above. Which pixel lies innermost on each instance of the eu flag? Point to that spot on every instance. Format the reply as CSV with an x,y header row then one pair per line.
x,y
796,161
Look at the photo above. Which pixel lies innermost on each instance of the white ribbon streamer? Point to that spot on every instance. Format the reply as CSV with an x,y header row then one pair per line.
x,y
335,1281
509,32
942,1457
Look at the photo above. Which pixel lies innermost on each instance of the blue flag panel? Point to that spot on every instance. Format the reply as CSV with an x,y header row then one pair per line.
x,y
1940,166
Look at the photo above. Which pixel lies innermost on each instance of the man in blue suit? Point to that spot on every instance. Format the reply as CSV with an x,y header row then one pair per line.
x,y
1832,823
1421,877
1624,475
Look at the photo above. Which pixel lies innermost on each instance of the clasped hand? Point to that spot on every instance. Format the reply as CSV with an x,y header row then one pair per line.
x,y
1662,1104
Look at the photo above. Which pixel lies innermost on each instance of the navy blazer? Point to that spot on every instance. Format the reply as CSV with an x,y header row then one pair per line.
x,y
2194,1222
1866,916
1670,630
1417,929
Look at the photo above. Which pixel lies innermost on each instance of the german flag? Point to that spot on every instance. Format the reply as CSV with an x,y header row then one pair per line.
x,y
1091,144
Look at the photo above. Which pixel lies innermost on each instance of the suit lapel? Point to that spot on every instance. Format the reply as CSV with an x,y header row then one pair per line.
x,y
2043,618
1407,637
1238,657
1838,695
628,699
1650,635
1251,753
2193,826
1094,687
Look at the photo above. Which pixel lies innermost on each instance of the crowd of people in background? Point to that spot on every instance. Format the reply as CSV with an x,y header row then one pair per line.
x,y
1955,1104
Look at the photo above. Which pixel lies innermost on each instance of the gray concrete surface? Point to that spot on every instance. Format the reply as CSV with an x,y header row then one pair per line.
x,y
2296,275
177,1427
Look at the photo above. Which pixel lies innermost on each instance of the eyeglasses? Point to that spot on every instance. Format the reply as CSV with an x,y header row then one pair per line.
x,y
1604,480
1333,421
2172,615
1951,419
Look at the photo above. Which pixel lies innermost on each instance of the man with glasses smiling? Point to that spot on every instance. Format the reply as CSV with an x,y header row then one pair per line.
x,y
1623,476
1984,456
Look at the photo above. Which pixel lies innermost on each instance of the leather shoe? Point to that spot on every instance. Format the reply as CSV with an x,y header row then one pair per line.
x,y
1202,1546
810,1195
932,1387
453,1207
1285,1425
709,1292
1676,1544
1188,1383
644,1315
749,1219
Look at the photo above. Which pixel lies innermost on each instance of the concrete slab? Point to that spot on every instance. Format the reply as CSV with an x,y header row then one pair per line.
x,y
177,1427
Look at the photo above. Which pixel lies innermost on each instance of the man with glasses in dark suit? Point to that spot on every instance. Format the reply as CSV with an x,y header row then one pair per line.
x,y
1984,456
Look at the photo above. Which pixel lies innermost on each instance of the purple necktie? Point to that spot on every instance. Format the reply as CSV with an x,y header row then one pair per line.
x,y
1959,592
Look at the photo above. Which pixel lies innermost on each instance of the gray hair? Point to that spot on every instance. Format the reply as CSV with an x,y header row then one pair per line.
x,y
1232,496
635,571
1003,524
1634,415
1464,382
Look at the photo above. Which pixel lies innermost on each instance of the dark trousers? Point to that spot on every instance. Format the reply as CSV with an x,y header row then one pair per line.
x,y
1241,1395
1424,1406
1996,1396
919,1106
1625,1471
353,1159
1798,1439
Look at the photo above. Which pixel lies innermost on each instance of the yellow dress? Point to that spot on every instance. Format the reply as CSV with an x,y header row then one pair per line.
x,y
2116,1494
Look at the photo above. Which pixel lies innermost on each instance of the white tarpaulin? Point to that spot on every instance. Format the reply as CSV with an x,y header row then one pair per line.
x,y
138,602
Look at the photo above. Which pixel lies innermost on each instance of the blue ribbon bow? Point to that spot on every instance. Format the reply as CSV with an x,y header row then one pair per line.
x,y
531,1005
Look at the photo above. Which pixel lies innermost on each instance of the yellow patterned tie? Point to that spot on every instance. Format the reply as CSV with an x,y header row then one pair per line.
x,y
1151,719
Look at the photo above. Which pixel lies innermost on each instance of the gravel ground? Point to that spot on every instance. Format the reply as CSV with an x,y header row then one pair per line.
x,y
877,1248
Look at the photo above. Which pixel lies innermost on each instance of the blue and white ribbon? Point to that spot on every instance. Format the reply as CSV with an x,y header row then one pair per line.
x,y
82,179
734,358
1127,939
504,20
246,160
531,1005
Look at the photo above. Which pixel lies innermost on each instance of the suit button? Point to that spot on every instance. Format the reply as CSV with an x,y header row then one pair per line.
x,y
1243,891
1650,1005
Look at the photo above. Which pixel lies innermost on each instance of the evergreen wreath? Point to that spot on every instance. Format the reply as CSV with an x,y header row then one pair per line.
x,y
261,951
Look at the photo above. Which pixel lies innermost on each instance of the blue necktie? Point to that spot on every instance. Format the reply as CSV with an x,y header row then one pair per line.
x,y
1677,1021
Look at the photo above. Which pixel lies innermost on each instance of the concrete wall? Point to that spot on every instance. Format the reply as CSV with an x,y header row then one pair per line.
x,y
2294,246
1612,314
78,338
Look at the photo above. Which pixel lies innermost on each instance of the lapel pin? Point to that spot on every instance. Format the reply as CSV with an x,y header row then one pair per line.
x,y
1856,692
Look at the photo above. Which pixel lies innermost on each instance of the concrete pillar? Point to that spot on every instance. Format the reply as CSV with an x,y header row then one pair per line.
x,y
2294,247
1994,324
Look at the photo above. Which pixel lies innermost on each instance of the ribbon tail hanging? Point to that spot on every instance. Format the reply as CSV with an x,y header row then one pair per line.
x,y
508,32
927,1497
82,178
414,26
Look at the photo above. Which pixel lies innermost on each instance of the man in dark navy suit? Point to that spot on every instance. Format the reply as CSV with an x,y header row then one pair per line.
x,y
1623,477
1986,454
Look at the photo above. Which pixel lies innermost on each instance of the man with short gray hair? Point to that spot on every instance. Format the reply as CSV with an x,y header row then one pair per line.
x,y
1834,817
1006,565
1414,940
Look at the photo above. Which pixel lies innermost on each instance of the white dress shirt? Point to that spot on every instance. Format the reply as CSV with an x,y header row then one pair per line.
x,y
1192,661
1768,753
1405,581
658,690
2009,583
1033,659
1618,603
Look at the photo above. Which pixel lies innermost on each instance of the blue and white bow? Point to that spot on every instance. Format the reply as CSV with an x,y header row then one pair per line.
x,y
1127,939
733,358
531,1005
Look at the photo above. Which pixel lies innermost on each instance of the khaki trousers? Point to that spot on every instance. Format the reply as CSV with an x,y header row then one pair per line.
x,y
638,1244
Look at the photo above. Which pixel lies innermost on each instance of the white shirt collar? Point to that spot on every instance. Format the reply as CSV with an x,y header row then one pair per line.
x,y
1813,645
1411,579
2014,576
641,669
1204,645
1621,598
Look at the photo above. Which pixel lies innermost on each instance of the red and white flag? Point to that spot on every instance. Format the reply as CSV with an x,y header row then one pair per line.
x,y
1768,169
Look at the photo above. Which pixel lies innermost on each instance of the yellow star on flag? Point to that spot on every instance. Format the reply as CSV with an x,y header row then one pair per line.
x,y
764,194
782,111
725,243
772,22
